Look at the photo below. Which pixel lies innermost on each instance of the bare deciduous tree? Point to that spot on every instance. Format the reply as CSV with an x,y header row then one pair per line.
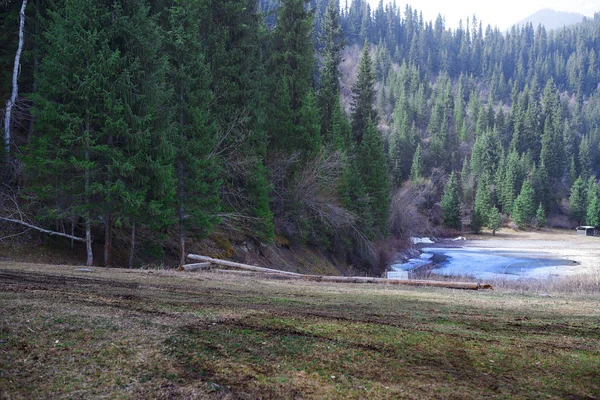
x,y
15,87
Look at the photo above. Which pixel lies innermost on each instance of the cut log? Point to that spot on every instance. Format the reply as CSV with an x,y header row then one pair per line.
x,y
232,264
195,267
276,274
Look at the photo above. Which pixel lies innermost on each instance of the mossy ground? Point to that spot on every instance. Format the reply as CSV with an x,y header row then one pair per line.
x,y
160,334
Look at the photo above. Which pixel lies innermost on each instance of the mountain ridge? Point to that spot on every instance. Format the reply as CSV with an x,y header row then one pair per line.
x,y
552,19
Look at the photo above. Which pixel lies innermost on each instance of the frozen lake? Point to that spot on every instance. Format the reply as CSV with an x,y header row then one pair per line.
x,y
484,263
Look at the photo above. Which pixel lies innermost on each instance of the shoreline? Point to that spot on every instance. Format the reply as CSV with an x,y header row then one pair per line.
x,y
580,254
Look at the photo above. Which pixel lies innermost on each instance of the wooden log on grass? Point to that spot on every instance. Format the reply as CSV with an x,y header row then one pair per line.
x,y
232,264
277,274
195,267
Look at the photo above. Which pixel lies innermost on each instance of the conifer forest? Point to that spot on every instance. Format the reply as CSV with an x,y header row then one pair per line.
x,y
141,127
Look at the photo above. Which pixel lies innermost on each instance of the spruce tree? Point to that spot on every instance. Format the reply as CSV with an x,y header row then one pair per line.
x,y
416,169
332,42
96,109
552,154
524,208
585,158
451,204
578,201
373,167
540,216
291,67
353,193
494,220
483,200
363,97
593,210
193,131
592,203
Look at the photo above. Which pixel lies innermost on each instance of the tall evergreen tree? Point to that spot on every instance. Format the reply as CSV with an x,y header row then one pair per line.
x,y
593,206
194,134
363,97
578,201
416,169
451,204
291,66
483,200
332,43
94,114
373,167
524,208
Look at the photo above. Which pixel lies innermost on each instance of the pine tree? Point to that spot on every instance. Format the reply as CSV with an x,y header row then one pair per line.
x,y
95,111
329,90
363,97
540,216
487,152
451,204
483,200
593,209
578,201
585,158
494,220
373,167
244,107
552,153
291,75
416,169
592,203
353,193
194,134
524,208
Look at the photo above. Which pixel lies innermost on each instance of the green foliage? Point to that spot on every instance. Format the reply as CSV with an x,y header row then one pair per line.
x,y
483,200
524,208
353,193
593,204
578,201
374,171
194,133
540,216
95,149
451,204
416,169
494,220
363,97
332,42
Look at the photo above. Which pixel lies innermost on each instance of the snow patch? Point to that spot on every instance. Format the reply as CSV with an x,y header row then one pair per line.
x,y
418,240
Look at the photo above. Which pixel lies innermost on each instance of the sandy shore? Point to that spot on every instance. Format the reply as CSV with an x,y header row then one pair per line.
x,y
547,243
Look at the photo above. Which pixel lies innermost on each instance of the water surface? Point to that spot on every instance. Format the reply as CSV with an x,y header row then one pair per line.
x,y
487,263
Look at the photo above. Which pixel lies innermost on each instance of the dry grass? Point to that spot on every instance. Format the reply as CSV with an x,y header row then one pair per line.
x,y
163,334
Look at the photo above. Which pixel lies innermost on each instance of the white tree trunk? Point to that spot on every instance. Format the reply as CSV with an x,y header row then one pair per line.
x,y
15,87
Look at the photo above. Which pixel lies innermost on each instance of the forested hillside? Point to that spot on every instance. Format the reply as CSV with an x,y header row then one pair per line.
x,y
153,124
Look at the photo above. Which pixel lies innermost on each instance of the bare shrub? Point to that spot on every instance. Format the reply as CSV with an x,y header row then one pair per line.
x,y
560,222
316,188
414,209
512,225
386,252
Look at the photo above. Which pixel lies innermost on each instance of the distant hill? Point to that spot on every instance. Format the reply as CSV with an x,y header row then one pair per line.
x,y
552,19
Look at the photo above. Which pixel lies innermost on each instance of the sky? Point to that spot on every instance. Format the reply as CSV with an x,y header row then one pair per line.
x,y
501,13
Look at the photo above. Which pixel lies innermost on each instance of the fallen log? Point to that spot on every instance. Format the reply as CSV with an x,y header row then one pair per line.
x,y
232,264
277,274
195,267
51,233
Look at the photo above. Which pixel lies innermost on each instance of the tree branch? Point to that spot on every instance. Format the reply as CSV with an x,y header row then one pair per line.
x,y
51,233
